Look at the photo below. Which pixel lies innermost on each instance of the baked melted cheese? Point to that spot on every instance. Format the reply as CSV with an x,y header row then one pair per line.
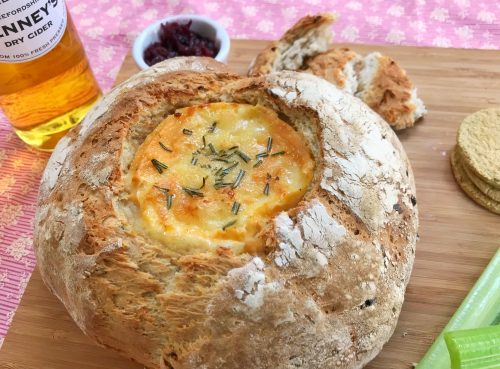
x,y
199,183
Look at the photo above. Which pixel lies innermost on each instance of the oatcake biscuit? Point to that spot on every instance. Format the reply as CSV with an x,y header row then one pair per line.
x,y
468,187
484,187
479,143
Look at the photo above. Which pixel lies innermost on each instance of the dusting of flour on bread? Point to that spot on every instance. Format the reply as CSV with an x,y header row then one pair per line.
x,y
55,164
251,281
367,176
290,240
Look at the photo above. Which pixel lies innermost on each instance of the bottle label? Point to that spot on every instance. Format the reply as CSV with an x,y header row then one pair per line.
x,y
30,28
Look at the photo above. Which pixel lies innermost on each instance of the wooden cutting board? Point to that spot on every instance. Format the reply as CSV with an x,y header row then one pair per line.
x,y
457,237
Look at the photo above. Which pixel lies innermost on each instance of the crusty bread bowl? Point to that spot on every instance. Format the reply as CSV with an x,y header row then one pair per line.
x,y
324,279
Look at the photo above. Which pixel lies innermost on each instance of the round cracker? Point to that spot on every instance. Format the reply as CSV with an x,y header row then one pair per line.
x,y
479,142
468,186
484,187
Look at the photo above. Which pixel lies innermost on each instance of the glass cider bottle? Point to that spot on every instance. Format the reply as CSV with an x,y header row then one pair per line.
x,y
46,84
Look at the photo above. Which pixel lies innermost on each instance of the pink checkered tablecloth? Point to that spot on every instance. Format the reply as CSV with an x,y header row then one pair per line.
x,y
108,27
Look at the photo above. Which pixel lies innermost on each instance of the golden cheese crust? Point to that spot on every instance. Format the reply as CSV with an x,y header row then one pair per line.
x,y
213,175
325,292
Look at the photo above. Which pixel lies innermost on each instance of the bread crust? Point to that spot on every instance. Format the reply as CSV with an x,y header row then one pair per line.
x,y
326,293
307,28
389,93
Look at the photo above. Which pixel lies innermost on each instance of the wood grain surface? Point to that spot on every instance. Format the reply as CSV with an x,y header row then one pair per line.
x,y
457,237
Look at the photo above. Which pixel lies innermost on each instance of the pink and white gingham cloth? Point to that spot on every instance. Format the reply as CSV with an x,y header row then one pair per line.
x,y
108,27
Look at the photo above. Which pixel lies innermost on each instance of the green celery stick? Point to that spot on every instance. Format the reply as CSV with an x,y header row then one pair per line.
x,y
477,348
480,308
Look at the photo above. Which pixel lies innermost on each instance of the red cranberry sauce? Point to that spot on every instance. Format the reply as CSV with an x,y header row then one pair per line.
x,y
178,40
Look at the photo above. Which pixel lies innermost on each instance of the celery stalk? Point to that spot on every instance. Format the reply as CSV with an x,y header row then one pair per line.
x,y
480,308
477,348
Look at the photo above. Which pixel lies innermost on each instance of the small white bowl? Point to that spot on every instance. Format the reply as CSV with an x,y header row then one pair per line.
x,y
201,25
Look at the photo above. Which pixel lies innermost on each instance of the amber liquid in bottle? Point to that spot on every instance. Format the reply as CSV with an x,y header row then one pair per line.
x,y
45,97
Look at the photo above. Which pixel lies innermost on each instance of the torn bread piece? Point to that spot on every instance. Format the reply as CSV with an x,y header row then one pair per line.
x,y
338,66
309,36
385,87
376,79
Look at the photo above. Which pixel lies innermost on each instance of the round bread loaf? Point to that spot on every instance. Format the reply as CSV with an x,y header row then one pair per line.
x,y
324,283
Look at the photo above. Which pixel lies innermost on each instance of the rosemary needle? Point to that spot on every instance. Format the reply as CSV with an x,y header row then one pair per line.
x,y
235,208
192,192
170,199
212,149
163,190
269,144
164,147
227,225
159,165
238,179
266,189
258,164
243,156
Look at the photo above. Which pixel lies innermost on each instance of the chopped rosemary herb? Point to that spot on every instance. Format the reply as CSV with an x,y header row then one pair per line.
x,y
192,192
170,199
221,159
266,189
229,156
238,179
269,144
278,153
220,184
212,149
258,164
163,190
228,169
194,160
204,141
187,132
164,147
159,165
235,208
243,156
261,155
227,225
212,127
203,184
233,147
218,171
